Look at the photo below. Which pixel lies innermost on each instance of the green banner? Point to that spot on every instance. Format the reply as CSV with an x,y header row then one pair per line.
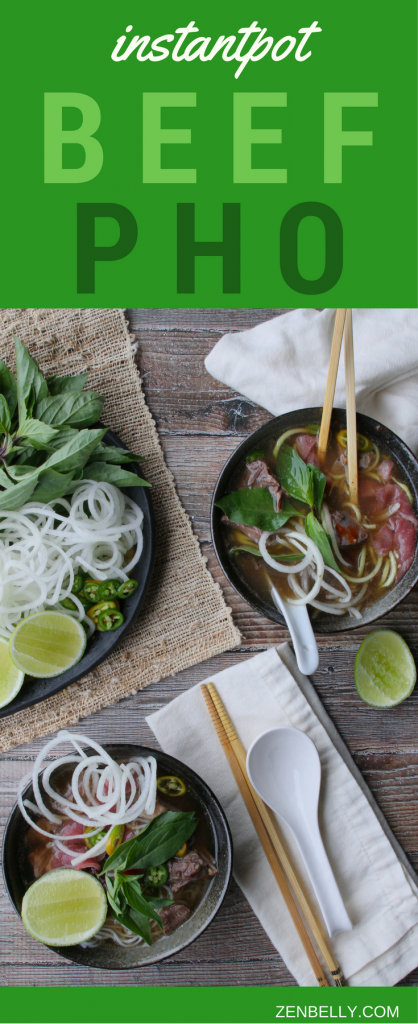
x,y
232,154
204,1005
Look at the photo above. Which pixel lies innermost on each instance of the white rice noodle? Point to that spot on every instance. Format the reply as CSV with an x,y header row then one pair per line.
x,y
42,549
104,793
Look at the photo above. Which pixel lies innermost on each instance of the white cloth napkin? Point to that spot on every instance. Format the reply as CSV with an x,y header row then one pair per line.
x,y
282,364
379,894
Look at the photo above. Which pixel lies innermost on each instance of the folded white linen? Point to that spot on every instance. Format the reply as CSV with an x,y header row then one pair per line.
x,y
282,364
379,892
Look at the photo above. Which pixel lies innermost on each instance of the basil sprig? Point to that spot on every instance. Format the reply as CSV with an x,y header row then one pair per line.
x,y
315,531
157,842
46,442
300,479
255,507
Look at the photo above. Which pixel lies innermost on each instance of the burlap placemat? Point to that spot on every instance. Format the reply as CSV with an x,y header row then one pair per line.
x,y
185,619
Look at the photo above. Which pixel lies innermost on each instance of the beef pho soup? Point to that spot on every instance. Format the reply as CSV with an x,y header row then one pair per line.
x,y
71,825
289,524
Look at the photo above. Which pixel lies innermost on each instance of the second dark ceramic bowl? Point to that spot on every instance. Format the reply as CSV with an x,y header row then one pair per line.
x,y
101,644
108,956
386,440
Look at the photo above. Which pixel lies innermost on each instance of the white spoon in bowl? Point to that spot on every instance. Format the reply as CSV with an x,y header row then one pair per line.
x,y
284,767
300,629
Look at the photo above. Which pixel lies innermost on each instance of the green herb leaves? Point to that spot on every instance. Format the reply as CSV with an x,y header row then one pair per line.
x,y
255,507
157,842
315,531
44,433
301,480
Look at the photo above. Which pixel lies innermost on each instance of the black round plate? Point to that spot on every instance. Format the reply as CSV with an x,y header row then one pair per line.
x,y
383,437
101,644
109,956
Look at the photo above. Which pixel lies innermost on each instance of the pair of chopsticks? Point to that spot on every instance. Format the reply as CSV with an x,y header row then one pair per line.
x,y
343,325
272,843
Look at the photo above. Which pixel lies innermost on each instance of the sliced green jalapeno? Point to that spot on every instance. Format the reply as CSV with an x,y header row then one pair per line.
x,y
91,590
110,620
128,588
156,876
108,589
68,603
78,583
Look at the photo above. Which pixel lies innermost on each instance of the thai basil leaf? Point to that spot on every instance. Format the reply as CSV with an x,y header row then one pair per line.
x,y
31,383
137,923
110,474
75,408
279,558
74,454
107,453
57,385
319,482
51,485
294,475
159,901
157,842
63,435
39,434
13,498
8,387
5,417
255,507
314,530
133,895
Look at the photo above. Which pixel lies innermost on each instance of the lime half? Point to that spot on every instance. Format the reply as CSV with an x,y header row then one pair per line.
x,y
47,643
11,678
384,669
64,907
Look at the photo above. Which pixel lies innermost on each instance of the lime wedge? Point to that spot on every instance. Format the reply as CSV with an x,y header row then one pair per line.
x,y
11,678
47,643
384,669
64,907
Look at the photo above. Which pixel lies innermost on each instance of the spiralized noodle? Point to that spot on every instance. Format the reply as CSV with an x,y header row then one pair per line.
x,y
122,792
41,549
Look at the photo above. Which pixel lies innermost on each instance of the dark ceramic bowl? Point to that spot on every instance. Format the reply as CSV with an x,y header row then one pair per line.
x,y
101,644
109,956
376,432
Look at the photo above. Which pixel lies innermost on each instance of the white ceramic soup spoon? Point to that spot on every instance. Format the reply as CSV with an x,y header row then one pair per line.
x,y
284,767
300,629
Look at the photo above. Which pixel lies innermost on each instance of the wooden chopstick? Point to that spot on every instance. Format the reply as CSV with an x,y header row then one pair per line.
x,y
331,381
350,398
265,841
271,827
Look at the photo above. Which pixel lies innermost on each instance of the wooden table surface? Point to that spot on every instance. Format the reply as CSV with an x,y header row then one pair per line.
x,y
200,423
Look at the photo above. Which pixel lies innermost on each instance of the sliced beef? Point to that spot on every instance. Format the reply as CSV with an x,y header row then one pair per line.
x,y
257,474
63,860
382,540
385,470
348,531
186,869
402,523
173,916
404,541
252,532
305,447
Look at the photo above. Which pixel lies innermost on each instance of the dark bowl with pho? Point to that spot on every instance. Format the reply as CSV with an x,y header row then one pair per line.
x,y
163,898
283,518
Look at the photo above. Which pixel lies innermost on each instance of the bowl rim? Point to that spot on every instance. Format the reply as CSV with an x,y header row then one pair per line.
x,y
180,766
244,592
80,669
